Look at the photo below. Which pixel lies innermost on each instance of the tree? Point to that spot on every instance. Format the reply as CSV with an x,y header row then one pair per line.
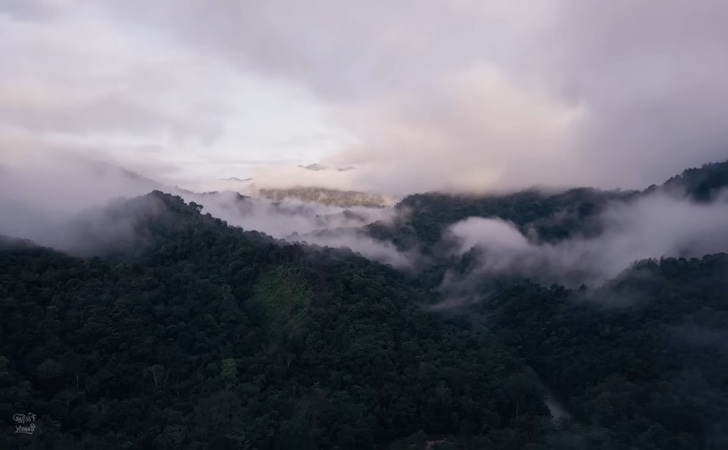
x,y
229,372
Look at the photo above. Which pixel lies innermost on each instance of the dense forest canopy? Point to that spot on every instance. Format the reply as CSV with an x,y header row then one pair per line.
x,y
212,337
554,216
179,331
551,219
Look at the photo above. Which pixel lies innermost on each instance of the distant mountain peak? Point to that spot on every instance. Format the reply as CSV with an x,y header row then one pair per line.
x,y
326,196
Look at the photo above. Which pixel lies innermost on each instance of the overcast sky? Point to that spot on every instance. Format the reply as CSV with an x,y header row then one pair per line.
x,y
417,94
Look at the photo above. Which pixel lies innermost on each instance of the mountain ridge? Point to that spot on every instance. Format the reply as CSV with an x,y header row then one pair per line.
x,y
191,325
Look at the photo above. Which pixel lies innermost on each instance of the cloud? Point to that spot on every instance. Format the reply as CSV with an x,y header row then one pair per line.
x,y
359,242
489,95
29,9
73,75
494,234
43,194
418,95
650,73
475,132
61,199
343,51
60,182
423,88
72,87
32,109
311,223
654,226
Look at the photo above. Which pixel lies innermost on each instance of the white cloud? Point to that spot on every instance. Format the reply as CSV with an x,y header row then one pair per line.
x,y
651,227
494,234
470,133
466,95
74,75
58,199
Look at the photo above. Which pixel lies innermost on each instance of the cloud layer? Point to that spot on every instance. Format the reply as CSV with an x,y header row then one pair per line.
x,y
61,200
467,95
654,226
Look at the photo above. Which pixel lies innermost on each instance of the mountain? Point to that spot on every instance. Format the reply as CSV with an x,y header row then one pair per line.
x,y
550,216
176,330
207,336
640,363
325,196
701,184
316,194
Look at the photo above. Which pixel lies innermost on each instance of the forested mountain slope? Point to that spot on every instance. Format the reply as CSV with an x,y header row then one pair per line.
x,y
550,216
642,361
553,216
204,336
701,184
177,331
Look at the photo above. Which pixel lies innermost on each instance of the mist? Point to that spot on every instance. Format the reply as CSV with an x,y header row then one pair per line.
x,y
75,205
652,226
307,222
467,97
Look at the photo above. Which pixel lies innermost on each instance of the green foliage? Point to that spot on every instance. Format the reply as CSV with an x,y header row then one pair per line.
x,y
651,370
229,372
282,296
207,336
701,184
553,217
196,335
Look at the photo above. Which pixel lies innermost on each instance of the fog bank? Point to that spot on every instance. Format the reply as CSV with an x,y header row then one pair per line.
x,y
653,226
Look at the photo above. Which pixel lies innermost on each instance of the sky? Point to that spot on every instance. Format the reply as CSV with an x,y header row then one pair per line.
x,y
416,95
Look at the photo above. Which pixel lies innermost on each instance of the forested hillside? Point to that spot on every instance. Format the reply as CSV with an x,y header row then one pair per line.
x,y
641,362
551,216
206,336
171,329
